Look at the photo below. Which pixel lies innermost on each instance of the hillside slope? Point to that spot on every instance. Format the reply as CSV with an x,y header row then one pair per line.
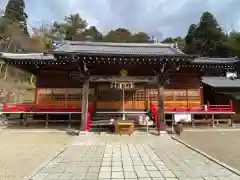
x,y
15,85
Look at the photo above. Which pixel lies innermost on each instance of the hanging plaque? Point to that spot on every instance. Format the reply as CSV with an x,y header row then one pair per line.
x,y
122,85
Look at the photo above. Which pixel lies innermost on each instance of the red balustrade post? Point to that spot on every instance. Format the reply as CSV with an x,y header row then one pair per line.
x,y
87,127
5,107
69,108
48,107
90,113
26,108
154,113
91,108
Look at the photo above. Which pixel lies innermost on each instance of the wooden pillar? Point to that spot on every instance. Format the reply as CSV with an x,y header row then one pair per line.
x,y
201,95
161,113
84,105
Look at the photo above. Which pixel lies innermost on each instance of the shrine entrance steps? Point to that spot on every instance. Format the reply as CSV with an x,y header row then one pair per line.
x,y
101,121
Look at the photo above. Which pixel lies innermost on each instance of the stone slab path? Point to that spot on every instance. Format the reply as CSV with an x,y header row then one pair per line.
x,y
130,158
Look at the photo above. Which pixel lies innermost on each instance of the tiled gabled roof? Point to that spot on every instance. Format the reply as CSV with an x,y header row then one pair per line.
x,y
27,56
219,82
208,60
118,48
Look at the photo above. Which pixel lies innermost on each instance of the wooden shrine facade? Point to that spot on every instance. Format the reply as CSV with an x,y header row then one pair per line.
x,y
183,91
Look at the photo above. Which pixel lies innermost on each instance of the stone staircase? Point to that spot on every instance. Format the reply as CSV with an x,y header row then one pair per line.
x,y
101,121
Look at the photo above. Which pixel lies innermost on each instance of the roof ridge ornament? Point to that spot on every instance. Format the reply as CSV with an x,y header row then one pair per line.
x,y
231,75
57,44
176,45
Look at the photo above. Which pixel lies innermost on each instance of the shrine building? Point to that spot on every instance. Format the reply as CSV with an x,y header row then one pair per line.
x,y
120,77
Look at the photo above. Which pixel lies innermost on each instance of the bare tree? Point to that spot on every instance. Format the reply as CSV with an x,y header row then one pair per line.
x,y
12,39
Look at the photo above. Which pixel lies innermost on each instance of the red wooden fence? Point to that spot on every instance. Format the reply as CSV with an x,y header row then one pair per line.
x,y
38,108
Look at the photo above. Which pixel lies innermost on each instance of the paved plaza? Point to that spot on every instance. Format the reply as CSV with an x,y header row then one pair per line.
x,y
143,157
222,145
21,151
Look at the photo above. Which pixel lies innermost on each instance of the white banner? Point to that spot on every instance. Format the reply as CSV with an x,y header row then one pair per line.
x,y
186,117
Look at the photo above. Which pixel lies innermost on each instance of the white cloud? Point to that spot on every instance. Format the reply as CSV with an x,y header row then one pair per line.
x,y
172,18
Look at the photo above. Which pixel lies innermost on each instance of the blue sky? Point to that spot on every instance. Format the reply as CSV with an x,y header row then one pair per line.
x,y
161,18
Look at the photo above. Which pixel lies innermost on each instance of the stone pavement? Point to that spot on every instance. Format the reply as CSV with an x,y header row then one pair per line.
x,y
131,158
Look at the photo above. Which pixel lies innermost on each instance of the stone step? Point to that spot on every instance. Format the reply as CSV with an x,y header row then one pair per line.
x,y
101,122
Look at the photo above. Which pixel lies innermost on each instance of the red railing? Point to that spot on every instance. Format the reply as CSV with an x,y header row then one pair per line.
x,y
220,108
49,108
205,108
15,108
41,108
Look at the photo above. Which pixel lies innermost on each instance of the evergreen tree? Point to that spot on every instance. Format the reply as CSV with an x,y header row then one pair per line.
x,y
2,33
15,13
209,35
207,38
71,29
120,35
93,34
190,40
140,37
234,41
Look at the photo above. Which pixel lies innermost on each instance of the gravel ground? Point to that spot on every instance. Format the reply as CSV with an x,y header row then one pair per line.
x,y
21,152
224,145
